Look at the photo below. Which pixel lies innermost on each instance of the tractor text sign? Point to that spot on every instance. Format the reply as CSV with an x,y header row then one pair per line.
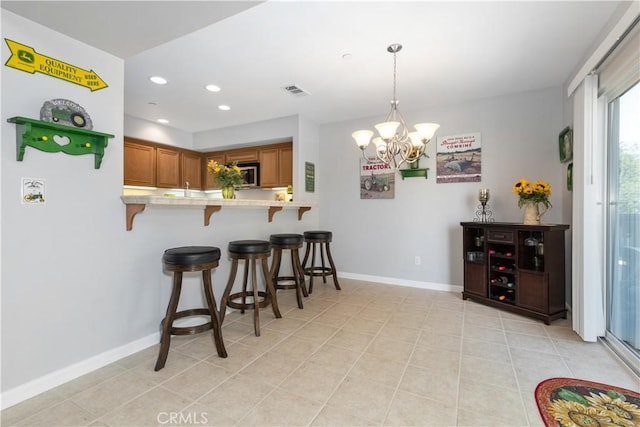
x,y
25,58
458,158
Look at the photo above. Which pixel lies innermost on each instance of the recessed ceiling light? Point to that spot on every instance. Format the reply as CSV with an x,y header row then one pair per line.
x,y
212,88
152,103
347,56
163,121
224,107
158,80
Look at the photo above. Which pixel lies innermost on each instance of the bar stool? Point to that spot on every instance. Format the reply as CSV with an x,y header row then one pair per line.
x,y
291,242
250,251
179,260
321,239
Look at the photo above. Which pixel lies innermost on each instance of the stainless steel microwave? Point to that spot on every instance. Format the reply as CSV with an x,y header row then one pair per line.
x,y
251,174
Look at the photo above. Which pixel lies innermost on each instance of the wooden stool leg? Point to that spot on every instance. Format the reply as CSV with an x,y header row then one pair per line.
x,y
244,285
256,310
270,289
275,265
333,268
322,257
313,263
299,270
215,316
296,276
227,290
167,322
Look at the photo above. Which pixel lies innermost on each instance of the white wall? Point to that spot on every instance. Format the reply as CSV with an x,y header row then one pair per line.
x,y
382,237
162,134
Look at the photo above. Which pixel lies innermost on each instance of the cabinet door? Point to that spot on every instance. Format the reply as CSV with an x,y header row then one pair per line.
x,y
269,168
242,156
139,164
209,183
475,278
533,291
192,170
168,168
285,166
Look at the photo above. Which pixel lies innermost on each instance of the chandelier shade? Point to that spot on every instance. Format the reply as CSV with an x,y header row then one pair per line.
x,y
395,145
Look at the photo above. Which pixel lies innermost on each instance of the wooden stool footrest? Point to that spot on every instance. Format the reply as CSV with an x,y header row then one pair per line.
x,y
264,302
317,271
191,330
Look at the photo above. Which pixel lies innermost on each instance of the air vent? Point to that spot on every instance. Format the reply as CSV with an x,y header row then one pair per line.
x,y
296,90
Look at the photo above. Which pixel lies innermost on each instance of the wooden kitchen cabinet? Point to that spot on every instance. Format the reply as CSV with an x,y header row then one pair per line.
x,y
516,267
276,165
209,184
139,164
243,155
191,168
168,168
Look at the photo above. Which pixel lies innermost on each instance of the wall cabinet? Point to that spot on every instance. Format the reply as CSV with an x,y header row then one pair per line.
x,y
516,267
191,168
167,168
244,155
139,164
276,166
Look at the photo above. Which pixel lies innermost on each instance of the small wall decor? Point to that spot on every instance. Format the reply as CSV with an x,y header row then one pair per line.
x,y
309,177
459,158
565,144
33,191
25,58
65,112
570,176
377,179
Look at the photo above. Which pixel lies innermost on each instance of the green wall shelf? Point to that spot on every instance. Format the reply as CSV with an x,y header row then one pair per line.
x,y
413,173
52,138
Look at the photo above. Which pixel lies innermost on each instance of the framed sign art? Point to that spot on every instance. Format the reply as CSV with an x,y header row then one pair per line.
x,y
565,144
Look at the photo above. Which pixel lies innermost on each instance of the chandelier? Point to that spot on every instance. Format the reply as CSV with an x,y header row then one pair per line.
x,y
396,145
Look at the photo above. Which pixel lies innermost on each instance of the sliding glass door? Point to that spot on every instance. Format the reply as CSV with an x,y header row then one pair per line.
x,y
623,231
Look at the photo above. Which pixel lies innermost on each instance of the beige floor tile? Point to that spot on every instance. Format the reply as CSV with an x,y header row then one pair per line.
x,y
434,358
485,349
313,382
235,331
89,380
481,398
334,358
467,418
430,338
366,399
29,407
406,320
375,314
434,384
66,413
531,408
270,369
238,356
295,349
346,308
176,363
197,380
364,326
524,327
268,338
475,319
400,333
200,415
149,353
355,341
378,369
202,347
330,318
473,307
150,409
497,373
102,398
409,410
286,325
532,367
484,334
530,342
282,408
331,416
316,332
236,396
389,348
562,333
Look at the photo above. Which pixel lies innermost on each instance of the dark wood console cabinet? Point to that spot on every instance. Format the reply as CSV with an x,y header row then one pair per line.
x,y
516,267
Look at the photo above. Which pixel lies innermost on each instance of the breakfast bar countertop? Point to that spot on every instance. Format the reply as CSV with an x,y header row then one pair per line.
x,y
137,203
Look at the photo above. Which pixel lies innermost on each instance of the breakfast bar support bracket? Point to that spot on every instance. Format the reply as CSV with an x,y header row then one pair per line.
x,y
301,211
210,210
273,210
132,210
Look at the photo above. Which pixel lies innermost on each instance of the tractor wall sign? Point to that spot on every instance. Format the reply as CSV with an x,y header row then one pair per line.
x,y
25,58
377,180
459,158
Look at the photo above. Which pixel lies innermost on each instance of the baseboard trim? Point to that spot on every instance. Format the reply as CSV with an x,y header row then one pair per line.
x,y
47,382
402,282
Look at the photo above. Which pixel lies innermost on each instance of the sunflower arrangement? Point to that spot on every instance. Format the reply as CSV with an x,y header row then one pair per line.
x,y
532,192
226,175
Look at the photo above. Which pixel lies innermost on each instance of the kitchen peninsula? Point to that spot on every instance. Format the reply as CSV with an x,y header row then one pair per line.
x,y
136,204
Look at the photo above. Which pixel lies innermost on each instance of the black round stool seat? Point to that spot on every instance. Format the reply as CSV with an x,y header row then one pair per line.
x,y
191,255
248,247
286,239
318,235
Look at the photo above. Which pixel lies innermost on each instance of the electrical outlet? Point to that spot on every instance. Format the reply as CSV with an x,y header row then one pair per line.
x,y
418,260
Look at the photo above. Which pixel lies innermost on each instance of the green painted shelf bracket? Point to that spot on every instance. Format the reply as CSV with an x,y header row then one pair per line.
x,y
52,138
413,173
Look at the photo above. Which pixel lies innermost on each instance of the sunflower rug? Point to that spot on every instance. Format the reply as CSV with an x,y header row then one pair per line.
x,y
572,402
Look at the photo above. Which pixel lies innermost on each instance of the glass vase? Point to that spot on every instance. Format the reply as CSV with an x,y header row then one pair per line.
x,y
228,192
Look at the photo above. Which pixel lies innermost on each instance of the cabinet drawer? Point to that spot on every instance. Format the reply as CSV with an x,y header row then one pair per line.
x,y
501,236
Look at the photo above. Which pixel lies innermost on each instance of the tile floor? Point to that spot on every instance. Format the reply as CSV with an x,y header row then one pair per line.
x,y
369,355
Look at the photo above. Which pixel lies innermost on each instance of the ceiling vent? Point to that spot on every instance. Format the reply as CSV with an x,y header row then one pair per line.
x,y
296,90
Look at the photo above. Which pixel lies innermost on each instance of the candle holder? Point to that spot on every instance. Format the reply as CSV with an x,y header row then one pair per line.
x,y
483,214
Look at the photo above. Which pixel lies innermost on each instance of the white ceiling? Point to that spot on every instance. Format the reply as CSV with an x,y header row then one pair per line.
x,y
453,52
